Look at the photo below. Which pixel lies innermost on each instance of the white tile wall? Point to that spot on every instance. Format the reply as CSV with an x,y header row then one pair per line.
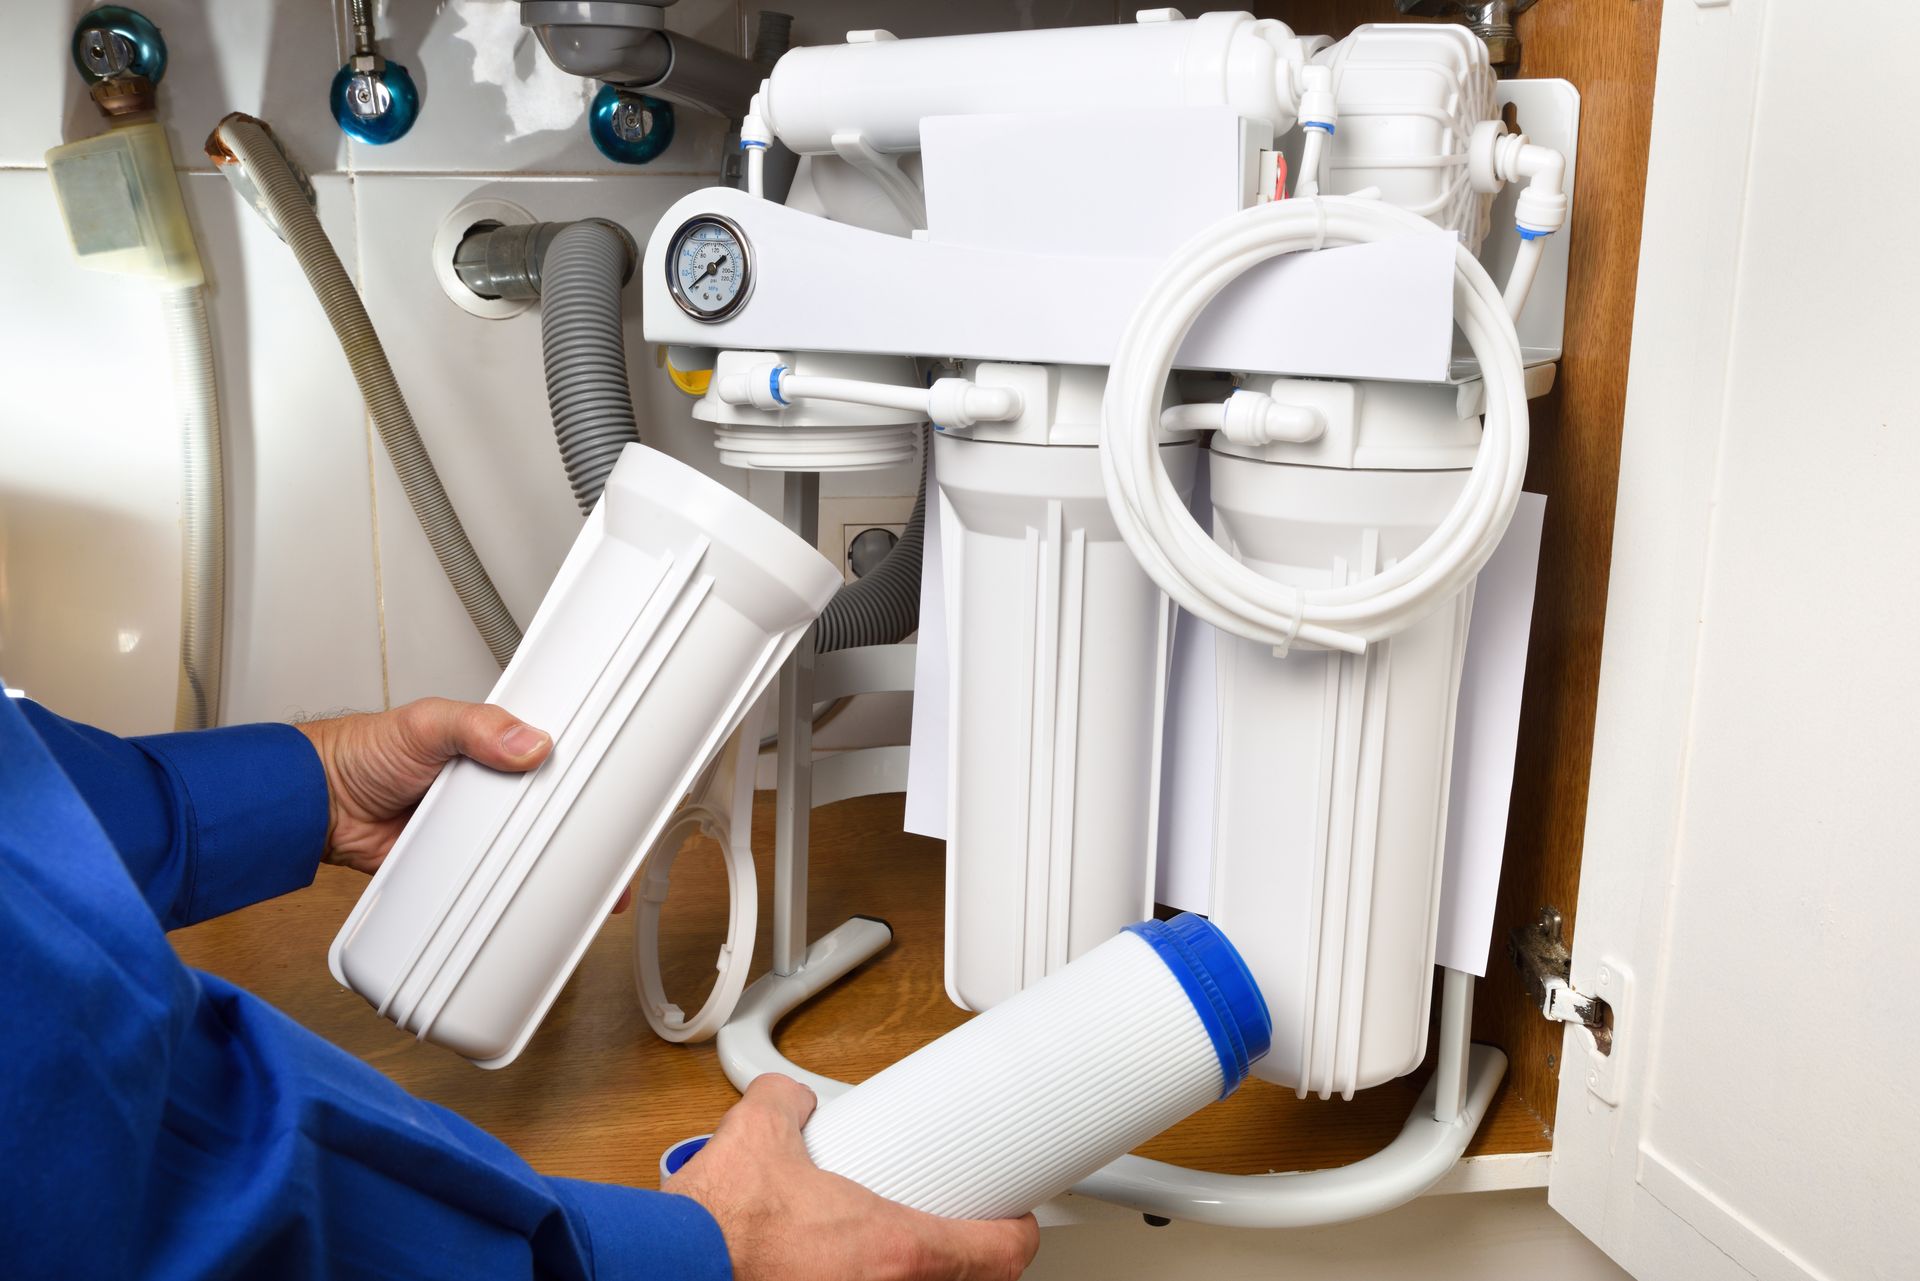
x,y
480,401
335,600
272,60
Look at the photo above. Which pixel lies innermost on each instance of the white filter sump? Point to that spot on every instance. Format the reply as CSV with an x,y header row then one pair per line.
x,y
1058,646
1021,1103
670,615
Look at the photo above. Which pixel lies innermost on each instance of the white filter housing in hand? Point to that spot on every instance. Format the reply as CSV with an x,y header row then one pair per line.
x,y
668,618
1018,1105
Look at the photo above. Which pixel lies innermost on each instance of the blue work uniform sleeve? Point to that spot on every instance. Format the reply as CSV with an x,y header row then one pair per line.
x,y
164,1123
207,821
643,1236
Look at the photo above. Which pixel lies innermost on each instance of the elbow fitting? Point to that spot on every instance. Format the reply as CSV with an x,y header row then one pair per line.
x,y
754,130
1248,418
758,387
1317,107
1542,209
498,261
1496,157
955,402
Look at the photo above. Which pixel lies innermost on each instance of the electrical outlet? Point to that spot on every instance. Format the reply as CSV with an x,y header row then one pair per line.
x,y
844,519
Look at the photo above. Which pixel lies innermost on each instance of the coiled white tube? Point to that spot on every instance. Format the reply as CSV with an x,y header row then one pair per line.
x,y
1203,576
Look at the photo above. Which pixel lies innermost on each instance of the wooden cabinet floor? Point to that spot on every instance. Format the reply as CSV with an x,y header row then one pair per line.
x,y
598,1095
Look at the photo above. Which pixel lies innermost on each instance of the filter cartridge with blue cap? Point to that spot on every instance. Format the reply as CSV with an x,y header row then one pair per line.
x,y
1025,1100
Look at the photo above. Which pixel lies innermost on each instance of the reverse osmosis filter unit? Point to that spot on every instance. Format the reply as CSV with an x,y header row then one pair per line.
x,y
1085,259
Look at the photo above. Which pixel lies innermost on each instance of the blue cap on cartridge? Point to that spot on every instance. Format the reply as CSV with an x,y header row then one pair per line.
x,y
680,1153
1221,988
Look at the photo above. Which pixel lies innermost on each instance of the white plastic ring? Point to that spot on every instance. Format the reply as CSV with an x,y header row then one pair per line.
x,y
736,954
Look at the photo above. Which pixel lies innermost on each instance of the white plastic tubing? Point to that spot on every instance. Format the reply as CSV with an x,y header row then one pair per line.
x,y
950,402
203,533
1203,576
297,224
1014,1107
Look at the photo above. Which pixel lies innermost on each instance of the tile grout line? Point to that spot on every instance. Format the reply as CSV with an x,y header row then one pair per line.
x,y
351,174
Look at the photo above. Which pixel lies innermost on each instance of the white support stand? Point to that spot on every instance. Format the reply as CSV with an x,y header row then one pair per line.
x,y
793,763
1435,1136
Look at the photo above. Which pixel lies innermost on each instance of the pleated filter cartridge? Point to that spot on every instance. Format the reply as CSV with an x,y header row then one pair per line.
x,y
1019,1104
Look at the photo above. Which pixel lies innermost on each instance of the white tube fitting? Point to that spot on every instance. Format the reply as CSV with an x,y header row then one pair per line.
x,y
1248,418
955,402
951,402
1254,418
755,137
1319,115
759,387
1543,205
1317,107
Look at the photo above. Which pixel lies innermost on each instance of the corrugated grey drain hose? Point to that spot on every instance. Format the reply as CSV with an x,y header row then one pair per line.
x,y
279,195
578,276
583,344
883,607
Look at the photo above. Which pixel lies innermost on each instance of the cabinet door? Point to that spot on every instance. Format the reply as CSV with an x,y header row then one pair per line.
x,y
1752,854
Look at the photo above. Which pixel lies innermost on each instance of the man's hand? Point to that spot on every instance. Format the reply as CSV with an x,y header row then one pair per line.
x,y
379,765
787,1220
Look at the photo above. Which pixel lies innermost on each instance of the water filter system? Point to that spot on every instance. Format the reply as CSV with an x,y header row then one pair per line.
x,y
1280,293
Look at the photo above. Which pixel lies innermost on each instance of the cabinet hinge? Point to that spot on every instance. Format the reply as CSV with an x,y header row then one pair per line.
x,y
1539,952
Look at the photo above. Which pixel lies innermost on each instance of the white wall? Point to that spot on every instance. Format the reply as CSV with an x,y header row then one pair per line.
x,y
334,598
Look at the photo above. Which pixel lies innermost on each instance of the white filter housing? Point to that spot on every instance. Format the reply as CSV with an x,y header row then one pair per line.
x,y
1330,808
821,98
668,618
1016,1106
1057,644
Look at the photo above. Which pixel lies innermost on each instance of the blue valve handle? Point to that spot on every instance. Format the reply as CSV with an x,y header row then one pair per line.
x,y
393,114
607,135
148,50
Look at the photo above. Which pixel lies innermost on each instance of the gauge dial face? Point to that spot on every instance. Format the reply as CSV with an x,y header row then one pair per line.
x,y
709,271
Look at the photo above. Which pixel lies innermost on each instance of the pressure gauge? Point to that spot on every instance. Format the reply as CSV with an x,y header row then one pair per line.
x,y
709,268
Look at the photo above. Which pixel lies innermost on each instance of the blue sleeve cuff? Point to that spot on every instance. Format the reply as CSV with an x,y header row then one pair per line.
x,y
634,1235
253,803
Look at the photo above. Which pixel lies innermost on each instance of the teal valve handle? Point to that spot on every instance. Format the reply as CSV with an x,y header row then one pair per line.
x,y
114,41
373,100
629,127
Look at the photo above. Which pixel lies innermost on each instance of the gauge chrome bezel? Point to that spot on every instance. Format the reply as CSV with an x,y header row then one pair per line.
x,y
678,290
